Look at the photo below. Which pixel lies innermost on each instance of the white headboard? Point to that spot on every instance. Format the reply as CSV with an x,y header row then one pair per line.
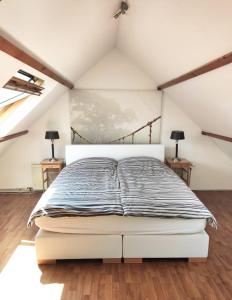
x,y
116,151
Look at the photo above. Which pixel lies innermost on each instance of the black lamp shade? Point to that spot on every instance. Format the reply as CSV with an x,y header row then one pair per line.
x,y
52,135
177,135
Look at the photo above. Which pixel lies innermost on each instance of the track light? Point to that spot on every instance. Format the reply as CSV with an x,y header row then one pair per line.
x,y
122,10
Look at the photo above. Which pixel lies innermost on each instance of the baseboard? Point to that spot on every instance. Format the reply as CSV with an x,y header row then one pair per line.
x,y
19,190
216,190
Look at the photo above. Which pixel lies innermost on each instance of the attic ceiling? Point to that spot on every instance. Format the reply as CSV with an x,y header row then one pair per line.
x,y
173,37
73,35
165,38
69,35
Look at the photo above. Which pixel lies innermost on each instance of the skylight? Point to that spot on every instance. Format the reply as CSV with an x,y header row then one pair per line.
x,y
18,87
9,96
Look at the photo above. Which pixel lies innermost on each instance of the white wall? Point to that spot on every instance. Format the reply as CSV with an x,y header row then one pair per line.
x,y
207,100
115,71
17,159
212,168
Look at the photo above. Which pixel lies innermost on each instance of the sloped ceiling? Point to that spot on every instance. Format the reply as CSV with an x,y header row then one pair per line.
x,y
23,118
69,35
172,37
165,38
169,38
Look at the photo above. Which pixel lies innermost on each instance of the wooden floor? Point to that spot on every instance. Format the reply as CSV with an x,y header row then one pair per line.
x,y
21,278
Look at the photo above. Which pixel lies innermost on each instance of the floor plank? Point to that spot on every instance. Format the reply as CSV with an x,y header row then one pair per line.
x,y
22,278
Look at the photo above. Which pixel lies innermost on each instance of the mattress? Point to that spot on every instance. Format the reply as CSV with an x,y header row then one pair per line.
x,y
123,225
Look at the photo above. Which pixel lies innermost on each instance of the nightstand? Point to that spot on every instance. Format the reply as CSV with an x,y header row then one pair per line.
x,y
183,168
46,166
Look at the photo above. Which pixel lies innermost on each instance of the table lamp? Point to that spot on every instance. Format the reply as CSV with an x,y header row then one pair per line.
x,y
177,135
52,135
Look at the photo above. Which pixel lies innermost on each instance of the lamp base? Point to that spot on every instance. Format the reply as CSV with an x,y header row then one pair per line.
x,y
53,159
176,159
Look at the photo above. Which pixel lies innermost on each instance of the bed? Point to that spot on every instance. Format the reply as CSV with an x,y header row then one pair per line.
x,y
112,236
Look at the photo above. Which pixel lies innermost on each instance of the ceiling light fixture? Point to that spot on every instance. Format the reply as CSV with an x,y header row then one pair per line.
x,y
122,10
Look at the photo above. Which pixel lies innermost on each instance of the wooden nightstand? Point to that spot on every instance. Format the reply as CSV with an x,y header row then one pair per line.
x,y
47,165
183,168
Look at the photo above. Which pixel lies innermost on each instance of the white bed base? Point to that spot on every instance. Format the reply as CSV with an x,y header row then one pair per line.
x,y
51,246
166,246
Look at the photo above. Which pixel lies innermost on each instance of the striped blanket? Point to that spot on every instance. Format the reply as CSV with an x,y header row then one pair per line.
x,y
149,188
86,187
136,186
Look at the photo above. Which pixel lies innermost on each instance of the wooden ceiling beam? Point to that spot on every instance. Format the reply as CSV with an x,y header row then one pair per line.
x,y
212,65
12,136
217,136
14,51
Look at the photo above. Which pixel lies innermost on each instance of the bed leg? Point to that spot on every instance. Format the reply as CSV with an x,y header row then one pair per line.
x,y
46,261
197,259
133,260
111,260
